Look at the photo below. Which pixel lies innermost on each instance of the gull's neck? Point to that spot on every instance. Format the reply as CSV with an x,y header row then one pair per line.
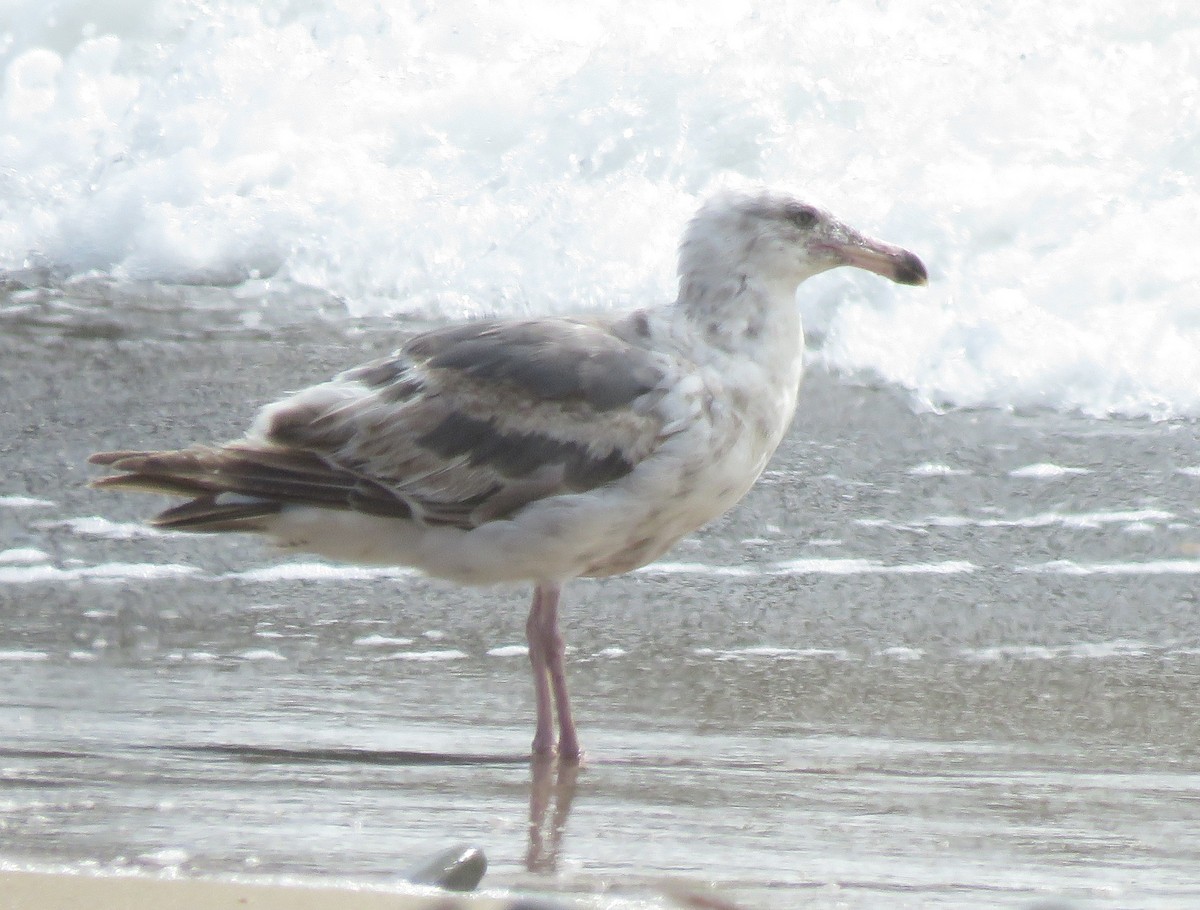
x,y
740,311
742,333
732,292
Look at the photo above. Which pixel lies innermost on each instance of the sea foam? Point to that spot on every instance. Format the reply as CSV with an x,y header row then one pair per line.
x,y
519,158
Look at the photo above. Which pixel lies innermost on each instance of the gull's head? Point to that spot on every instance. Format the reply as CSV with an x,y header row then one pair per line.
x,y
782,241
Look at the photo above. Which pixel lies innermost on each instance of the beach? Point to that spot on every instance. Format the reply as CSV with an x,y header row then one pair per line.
x,y
932,660
27,890
945,654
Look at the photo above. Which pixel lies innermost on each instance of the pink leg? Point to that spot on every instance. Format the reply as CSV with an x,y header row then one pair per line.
x,y
543,738
555,649
546,652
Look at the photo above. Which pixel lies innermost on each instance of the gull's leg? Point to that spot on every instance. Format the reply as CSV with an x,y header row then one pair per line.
x,y
554,650
543,738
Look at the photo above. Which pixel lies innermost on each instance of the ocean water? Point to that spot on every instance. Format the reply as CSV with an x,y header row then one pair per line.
x,y
945,654
452,159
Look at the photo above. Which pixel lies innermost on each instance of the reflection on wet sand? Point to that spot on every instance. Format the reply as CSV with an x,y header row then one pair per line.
x,y
554,779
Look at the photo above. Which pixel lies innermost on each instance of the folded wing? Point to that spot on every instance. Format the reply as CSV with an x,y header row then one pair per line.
x,y
461,426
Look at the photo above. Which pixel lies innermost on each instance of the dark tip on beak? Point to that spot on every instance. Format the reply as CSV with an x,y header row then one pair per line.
x,y
910,270
892,262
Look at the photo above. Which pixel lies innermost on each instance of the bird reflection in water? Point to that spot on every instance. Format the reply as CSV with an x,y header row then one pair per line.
x,y
552,780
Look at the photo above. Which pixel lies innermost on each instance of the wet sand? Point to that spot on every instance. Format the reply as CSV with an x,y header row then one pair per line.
x,y
42,891
908,671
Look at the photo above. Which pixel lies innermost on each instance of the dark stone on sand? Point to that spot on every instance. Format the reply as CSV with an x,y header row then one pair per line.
x,y
457,868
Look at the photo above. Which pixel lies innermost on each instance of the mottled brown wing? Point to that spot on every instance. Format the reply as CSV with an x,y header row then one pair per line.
x,y
461,426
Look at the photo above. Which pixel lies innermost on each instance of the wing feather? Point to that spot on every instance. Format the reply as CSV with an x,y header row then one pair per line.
x,y
460,426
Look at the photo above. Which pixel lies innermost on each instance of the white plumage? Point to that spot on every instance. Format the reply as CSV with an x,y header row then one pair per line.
x,y
539,450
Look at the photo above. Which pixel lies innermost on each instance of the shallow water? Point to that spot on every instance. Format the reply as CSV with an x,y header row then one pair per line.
x,y
931,661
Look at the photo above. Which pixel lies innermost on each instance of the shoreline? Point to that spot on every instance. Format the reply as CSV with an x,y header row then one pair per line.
x,y
71,890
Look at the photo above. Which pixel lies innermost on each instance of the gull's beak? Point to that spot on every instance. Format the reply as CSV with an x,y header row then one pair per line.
x,y
852,248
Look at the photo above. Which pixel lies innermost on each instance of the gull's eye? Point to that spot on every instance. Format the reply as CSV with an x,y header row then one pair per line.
x,y
803,216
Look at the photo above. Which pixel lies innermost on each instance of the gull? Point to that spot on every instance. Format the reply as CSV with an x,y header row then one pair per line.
x,y
538,450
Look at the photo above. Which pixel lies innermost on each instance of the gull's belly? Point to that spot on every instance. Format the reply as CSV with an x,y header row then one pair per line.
x,y
682,496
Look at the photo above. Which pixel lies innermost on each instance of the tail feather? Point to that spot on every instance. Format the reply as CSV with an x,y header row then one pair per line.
x,y
153,483
196,460
260,480
206,514
110,458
